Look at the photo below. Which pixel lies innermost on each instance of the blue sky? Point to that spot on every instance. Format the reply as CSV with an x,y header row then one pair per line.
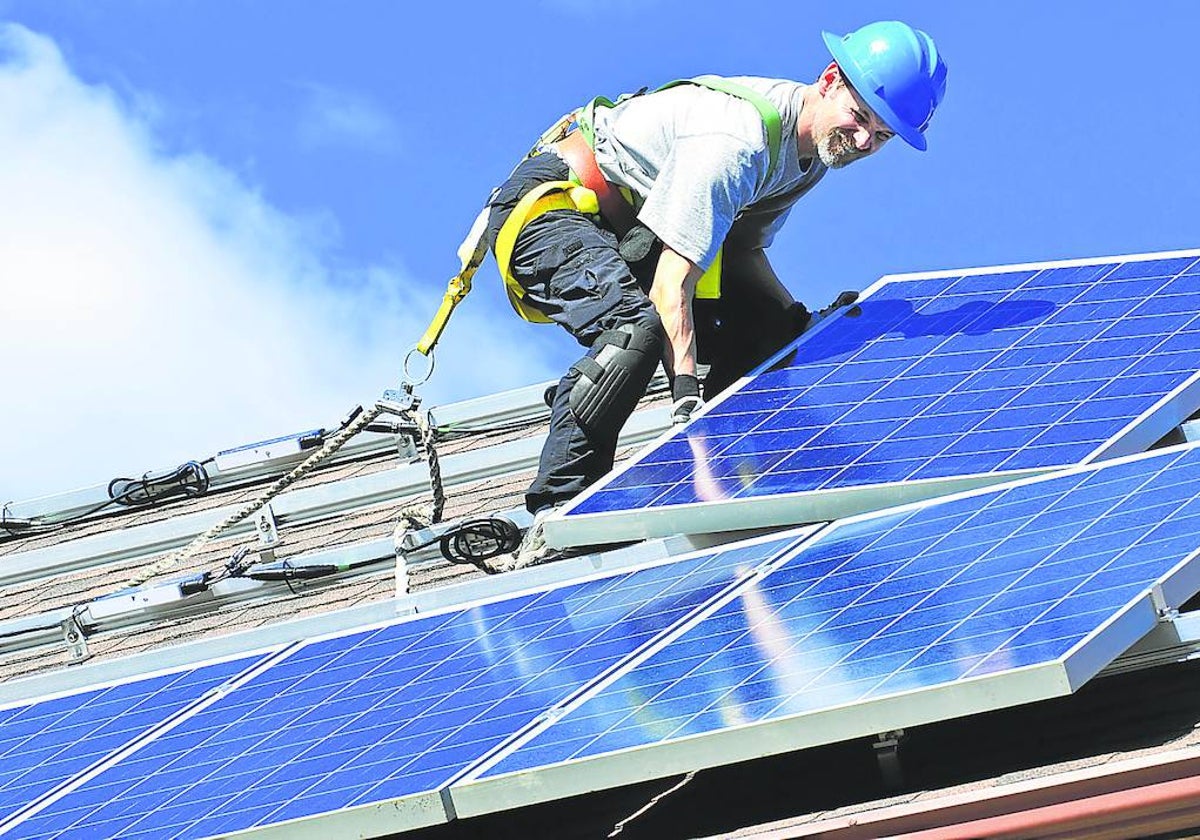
x,y
228,220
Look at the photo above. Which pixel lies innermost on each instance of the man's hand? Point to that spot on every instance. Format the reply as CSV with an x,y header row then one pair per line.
x,y
685,391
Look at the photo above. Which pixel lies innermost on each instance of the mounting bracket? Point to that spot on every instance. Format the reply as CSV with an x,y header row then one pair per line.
x,y
887,753
268,533
76,639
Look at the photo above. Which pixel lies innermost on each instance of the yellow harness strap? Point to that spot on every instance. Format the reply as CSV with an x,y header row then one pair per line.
x,y
552,195
470,254
708,287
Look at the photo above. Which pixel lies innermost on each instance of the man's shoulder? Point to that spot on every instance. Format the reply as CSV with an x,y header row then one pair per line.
x,y
763,84
786,95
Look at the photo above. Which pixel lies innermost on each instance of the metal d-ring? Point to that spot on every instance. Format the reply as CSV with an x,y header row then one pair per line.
x,y
411,381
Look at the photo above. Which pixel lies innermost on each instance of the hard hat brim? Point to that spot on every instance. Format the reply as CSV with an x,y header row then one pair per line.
x,y
864,88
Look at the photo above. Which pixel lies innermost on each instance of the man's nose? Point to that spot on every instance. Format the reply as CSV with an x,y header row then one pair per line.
x,y
863,139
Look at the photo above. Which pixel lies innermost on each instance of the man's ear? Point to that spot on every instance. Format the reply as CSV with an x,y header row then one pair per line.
x,y
828,78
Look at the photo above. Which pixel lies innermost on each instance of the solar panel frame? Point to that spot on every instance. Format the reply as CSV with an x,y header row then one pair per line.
x,y
569,527
481,793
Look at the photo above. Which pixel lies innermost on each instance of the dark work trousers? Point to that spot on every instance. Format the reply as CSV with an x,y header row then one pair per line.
x,y
754,317
571,271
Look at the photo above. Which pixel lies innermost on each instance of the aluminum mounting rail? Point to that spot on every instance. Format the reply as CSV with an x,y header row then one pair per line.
x,y
517,405
298,507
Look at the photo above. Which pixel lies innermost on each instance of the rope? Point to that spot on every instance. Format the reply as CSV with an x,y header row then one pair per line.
x,y
196,545
428,437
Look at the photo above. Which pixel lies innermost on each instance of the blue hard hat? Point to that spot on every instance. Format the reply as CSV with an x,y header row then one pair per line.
x,y
897,71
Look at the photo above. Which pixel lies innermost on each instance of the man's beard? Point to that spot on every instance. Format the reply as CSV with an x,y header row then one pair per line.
x,y
836,149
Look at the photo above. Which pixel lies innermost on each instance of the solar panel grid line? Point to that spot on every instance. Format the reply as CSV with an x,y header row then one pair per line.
x,y
962,274
1120,444
794,541
1136,436
554,711
420,809
1183,562
1164,501
560,708
905,373
1016,584
903,376
683,584
264,660
1081,428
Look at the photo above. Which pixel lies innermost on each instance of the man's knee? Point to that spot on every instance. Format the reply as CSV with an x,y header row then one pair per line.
x,y
614,375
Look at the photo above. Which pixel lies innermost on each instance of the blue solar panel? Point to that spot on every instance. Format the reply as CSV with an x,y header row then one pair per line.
x,y
1055,572
385,713
927,380
44,744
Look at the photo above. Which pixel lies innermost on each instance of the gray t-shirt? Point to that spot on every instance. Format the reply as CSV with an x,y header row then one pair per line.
x,y
698,159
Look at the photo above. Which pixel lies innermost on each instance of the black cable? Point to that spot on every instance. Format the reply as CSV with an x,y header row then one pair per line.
x,y
189,479
460,430
477,540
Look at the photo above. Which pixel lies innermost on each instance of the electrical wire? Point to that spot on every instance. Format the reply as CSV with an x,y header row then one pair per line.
x,y
452,431
477,540
473,541
189,479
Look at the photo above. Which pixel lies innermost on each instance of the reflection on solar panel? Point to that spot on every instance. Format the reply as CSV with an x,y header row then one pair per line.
x,y
45,744
989,599
393,712
934,383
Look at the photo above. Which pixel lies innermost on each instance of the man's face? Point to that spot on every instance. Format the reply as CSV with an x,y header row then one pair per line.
x,y
846,128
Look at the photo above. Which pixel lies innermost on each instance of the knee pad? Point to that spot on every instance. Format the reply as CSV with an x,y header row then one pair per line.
x,y
613,376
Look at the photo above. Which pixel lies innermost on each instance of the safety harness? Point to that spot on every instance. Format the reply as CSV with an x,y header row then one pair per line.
x,y
588,192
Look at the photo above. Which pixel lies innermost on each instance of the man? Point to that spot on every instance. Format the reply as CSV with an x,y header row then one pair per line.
x,y
708,163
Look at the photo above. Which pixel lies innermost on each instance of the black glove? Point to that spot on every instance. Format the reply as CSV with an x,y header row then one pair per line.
x,y
842,300
685,391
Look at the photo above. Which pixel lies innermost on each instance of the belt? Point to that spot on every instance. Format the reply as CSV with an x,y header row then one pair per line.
x,y
574,149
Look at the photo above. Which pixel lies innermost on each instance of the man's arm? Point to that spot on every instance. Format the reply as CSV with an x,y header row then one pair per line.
x,y
671,293
674,287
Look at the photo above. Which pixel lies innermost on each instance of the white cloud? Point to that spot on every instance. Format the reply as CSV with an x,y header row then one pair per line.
x,y
336,117
155,308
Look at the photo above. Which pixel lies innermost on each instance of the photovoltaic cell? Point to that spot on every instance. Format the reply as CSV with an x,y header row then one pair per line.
x,y
1054,572
926,381
385,713
44,744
